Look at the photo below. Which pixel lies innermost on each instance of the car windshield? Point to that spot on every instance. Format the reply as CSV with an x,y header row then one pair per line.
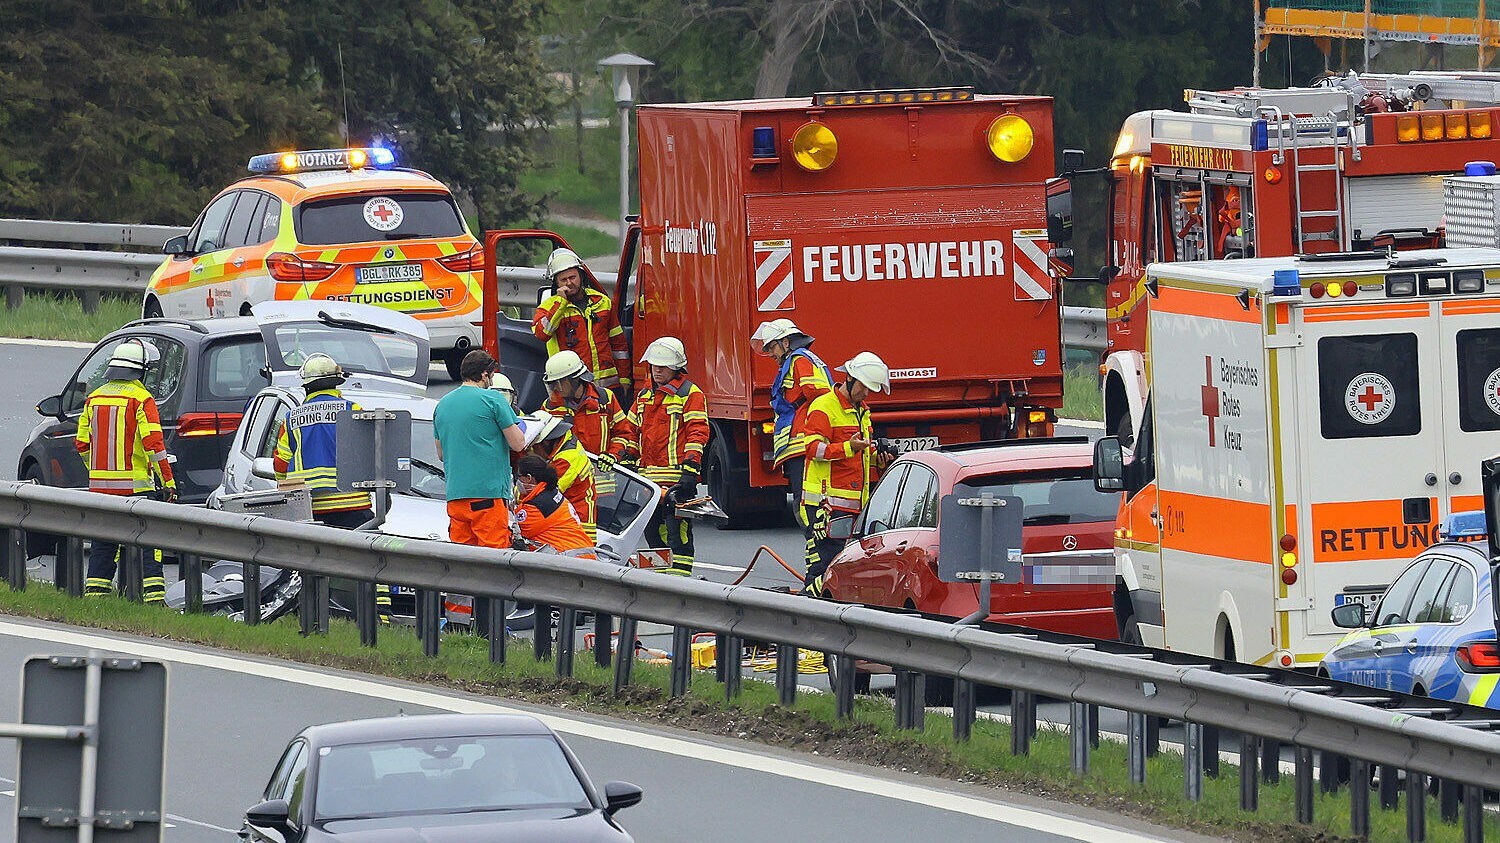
x,y
352,219
427,478
445,776
1054,497
355,351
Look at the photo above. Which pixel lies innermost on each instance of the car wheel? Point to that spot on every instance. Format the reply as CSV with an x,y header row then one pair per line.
x,y
151,310
861,679
452,361
38,544
730,489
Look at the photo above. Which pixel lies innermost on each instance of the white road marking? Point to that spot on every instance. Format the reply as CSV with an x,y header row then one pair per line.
x,y
1091,425
46,343
915,794
199,823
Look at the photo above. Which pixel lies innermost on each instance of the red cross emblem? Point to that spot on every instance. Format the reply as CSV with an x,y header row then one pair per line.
x,y
383,213
1370,398
1210,397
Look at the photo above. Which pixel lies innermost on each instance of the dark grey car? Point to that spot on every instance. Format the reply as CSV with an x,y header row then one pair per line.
x,y
432,779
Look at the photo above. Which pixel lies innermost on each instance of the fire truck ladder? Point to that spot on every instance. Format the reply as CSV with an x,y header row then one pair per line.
x,y
1473,88
1293,134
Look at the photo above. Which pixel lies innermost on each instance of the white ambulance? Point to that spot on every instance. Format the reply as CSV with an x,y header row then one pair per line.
x,y
1293,434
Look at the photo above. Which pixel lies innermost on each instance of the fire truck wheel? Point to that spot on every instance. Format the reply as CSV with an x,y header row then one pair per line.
x,y
729,485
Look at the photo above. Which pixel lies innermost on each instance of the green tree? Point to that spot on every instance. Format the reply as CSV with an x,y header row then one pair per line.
x,y
141,110
459,84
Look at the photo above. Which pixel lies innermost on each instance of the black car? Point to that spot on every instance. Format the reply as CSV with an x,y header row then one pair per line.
x,y
432,779
205,374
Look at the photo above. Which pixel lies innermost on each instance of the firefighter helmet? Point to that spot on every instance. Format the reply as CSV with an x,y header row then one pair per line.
x,y
665,351
562,259
566,364
130,359
776,329
542,426
501,384
320,367
869,370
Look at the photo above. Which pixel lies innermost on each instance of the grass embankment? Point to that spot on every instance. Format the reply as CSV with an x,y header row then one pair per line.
x,y
51,317
1082,398
810,726
595,190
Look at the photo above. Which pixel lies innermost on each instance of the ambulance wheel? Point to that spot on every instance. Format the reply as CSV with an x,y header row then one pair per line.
x,y
151,310
452,360
1132,632
729,485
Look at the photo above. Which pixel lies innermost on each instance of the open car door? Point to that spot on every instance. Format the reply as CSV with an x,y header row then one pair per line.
x,y
380,349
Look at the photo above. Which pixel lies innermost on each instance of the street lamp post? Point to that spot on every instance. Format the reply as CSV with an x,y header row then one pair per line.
x,y
625,70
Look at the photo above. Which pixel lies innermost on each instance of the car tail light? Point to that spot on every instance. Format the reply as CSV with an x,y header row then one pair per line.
x,y
207,424
285,266
470,261
1479,657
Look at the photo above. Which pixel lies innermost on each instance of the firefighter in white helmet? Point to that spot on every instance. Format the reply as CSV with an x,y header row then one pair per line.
x,y
580,318
800,377
597,417
307,450
666,431
501,384
842,459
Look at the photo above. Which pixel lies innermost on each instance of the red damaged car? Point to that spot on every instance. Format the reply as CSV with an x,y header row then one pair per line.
x,y
1068,567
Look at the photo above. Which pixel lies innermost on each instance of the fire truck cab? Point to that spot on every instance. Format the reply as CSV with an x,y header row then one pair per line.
x,y
1309,423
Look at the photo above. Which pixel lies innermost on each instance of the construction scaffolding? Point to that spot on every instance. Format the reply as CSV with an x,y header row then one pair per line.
x,y
1435,22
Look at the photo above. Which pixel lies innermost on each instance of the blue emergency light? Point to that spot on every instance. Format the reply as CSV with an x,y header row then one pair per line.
x,y
1464,527
763,142
1479,168
302,161
1286,282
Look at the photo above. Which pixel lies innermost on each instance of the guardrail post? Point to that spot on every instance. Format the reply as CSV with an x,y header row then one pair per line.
x,y
682,660
1330,768
1416,807
13,548
90,300
911,697
541,632
721,646
1136,740
1303,761
786,674
567,635
1211,751
1473,814
366,616
429,611
1270,760
965,709
131,573
1249,773
843,686
68,572
1192,762
15,296
1389,787
494,626
1081,717
1022,721
1448,791
1359,798
604,631
729,657
625,658
190,572
250,573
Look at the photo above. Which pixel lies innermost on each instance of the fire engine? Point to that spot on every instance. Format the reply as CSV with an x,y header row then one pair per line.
x,y
1310,422
910,223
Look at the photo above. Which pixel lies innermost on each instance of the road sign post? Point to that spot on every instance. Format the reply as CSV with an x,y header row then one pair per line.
x,y
93,737
984,531
374,448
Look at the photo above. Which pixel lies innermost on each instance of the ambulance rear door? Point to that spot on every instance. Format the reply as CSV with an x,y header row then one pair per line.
x,y
1469,343
1369,443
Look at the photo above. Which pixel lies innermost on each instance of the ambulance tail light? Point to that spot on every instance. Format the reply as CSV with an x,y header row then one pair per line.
x,y
1455,126
469,261
1479,124
207,424
1478,657
1288,543
1432,125
1316,289
285,266
1468,281
1289,576
1408,128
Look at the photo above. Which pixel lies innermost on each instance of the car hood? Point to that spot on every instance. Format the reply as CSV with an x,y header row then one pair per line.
x,y
356,320
530,826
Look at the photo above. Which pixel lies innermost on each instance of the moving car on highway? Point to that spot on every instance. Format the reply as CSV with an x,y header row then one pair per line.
x,y
338,225
1068,534
435,777
1432,633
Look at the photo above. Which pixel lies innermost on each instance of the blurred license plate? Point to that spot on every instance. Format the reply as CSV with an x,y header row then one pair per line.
x,y
388,272
1368,598
907,444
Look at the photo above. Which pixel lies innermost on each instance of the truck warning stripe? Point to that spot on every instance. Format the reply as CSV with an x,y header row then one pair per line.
x,y
1364,312
1031,278
774,289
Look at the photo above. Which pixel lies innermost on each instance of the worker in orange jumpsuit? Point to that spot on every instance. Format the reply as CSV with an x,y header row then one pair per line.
x,y
667,430
120,439
581,319
596,415
542,511
554,441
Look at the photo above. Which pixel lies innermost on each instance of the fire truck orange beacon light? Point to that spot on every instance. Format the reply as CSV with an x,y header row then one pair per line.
x,y
1010,138
1432,126
1455,126
1408,128
1273,175
1335,290
1479,124
814,147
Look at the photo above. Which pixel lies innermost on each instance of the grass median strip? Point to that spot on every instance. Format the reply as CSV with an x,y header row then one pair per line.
x,y
809,727
49,317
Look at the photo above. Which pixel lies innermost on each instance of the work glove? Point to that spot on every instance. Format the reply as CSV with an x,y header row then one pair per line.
x,y
169,494
686,489
605,463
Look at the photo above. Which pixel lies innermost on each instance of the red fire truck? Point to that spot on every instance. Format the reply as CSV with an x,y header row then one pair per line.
x,y
910,223
1354,163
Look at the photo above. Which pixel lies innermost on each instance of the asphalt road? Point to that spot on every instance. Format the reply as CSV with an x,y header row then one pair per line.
x,y
230,716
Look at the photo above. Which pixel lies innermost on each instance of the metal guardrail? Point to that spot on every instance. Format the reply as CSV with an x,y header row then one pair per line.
x,y
1267,707
148,237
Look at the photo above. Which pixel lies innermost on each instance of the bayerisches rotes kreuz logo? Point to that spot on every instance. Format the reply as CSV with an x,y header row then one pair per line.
x,y
1370,398
1492,392
383,214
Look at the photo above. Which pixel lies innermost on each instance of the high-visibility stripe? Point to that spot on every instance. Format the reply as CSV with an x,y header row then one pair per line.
x,y
1366,312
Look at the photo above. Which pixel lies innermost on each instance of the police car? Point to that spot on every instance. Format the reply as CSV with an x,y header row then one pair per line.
x,y
1433,631
344,225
